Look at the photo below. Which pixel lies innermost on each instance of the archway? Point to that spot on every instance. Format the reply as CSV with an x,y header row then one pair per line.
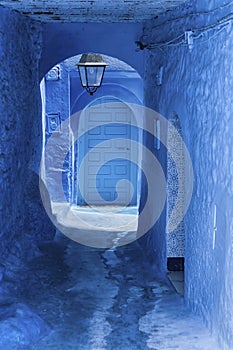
x,y
64,96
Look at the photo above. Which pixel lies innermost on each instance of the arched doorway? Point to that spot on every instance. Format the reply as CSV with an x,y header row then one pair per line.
x,y
108,175
63,96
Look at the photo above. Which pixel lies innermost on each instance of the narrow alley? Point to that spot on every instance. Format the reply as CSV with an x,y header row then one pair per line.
x,y
116,175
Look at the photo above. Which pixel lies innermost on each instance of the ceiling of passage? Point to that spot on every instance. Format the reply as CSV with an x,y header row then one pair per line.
x,y
92,10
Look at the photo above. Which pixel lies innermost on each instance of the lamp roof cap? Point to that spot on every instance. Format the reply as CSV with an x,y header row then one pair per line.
x,y
91,59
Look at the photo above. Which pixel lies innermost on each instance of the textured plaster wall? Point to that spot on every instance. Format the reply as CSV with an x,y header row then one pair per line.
x,y
92,11
153,242
57,108
22,218
198,85
64,40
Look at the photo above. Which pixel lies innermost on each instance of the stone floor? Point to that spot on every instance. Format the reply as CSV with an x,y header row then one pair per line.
x,y
177,279
75,297
99,299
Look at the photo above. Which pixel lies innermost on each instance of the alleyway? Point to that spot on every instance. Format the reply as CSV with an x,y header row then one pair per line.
x,y
165,155
105,299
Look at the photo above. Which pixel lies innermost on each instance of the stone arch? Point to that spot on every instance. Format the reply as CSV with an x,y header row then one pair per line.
x,y
123,93
60,96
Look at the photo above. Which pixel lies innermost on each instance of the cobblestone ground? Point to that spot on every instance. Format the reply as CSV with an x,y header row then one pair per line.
x,y
106,299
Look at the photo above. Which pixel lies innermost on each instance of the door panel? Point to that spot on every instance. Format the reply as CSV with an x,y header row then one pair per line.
x,y
119,135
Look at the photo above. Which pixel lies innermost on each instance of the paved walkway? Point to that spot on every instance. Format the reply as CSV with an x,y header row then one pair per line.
x,y
96,299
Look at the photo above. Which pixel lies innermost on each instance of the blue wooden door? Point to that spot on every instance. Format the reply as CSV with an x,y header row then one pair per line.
x,y
114,157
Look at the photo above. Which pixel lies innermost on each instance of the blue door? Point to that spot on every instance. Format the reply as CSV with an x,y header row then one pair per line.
x,y
108,164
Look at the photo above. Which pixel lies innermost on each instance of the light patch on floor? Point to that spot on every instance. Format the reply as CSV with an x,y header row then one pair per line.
x,y
104,227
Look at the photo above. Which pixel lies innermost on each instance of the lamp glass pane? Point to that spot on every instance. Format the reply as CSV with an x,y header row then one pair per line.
x,y
99,75
91,75
82,75
94,75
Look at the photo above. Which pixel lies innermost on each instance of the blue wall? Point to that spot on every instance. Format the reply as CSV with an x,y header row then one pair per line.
x,y
61,41
23,219
197,85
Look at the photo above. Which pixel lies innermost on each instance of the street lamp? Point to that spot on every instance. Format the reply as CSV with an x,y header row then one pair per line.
x,y
91,69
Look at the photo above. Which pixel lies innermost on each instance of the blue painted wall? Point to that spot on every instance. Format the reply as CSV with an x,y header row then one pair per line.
x,y
64,40
23,219
197,85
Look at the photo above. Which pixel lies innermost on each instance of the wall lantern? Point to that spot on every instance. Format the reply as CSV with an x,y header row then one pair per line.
x,y
91,69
